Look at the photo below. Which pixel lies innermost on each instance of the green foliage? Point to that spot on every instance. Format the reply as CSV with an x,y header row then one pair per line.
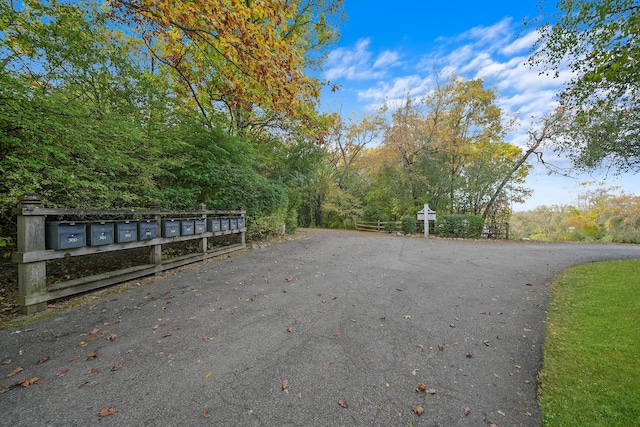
x,y
374,213
390,226
601,217
456,225
409,225
599,42
590,374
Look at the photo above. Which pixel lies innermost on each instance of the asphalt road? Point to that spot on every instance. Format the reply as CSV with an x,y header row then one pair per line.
x,y
334,329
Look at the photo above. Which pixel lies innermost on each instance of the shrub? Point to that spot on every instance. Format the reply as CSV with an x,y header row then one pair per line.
x,y
460,226
409,225
374,213
390,226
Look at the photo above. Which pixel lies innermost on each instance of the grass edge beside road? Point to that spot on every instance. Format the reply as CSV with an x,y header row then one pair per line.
x,y
591,360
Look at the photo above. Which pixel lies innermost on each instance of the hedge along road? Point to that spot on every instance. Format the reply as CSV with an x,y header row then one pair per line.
x,y
334,329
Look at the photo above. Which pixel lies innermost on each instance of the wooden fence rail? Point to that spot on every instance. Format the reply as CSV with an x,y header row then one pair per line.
x,y
491,231
376,225
32,253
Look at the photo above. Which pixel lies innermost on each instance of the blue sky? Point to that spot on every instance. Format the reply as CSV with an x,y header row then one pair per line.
x,y
387,47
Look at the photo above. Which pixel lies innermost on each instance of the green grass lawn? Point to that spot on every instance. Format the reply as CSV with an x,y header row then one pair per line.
x,y
591,365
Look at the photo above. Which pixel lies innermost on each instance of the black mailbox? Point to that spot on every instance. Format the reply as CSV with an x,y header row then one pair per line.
x,y
241,222
126,231
186,227
100,233
170,227
233,223
65,235
213,224
147,229
224,224
199,225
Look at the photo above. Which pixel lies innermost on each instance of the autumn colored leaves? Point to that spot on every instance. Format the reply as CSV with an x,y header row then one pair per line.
x,y
26,381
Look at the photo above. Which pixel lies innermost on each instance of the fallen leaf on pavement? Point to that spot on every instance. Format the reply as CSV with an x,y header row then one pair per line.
x,y
289,329
419,410
117,366
206,414
14,371
441,347
92,355
285,385
421,387
43,360
95,331
112,337
343,403
62,373
6,361
106,411
88,384
28,381
467,411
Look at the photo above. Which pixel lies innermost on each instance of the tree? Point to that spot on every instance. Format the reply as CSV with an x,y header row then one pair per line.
x,y
600,42
70,100
440,140
347,139
243,57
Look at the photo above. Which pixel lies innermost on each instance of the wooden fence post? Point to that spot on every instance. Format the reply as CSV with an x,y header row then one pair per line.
x,y
155,252
203,242
32,276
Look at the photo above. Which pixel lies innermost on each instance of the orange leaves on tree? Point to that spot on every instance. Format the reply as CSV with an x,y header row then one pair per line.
x,y
233,50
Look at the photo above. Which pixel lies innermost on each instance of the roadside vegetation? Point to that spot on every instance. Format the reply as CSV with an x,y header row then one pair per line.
x,y
604,216
591,374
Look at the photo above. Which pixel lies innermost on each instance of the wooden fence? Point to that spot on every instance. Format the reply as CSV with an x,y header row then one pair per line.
x,y
382,226
32,252
376,225
491,230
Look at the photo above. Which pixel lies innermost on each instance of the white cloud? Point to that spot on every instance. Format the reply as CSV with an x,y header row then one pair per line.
x,y
525,42
387,58
494,35
351,64
397,88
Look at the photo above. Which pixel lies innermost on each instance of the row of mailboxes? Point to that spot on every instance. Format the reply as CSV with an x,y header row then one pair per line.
x,y
68,235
